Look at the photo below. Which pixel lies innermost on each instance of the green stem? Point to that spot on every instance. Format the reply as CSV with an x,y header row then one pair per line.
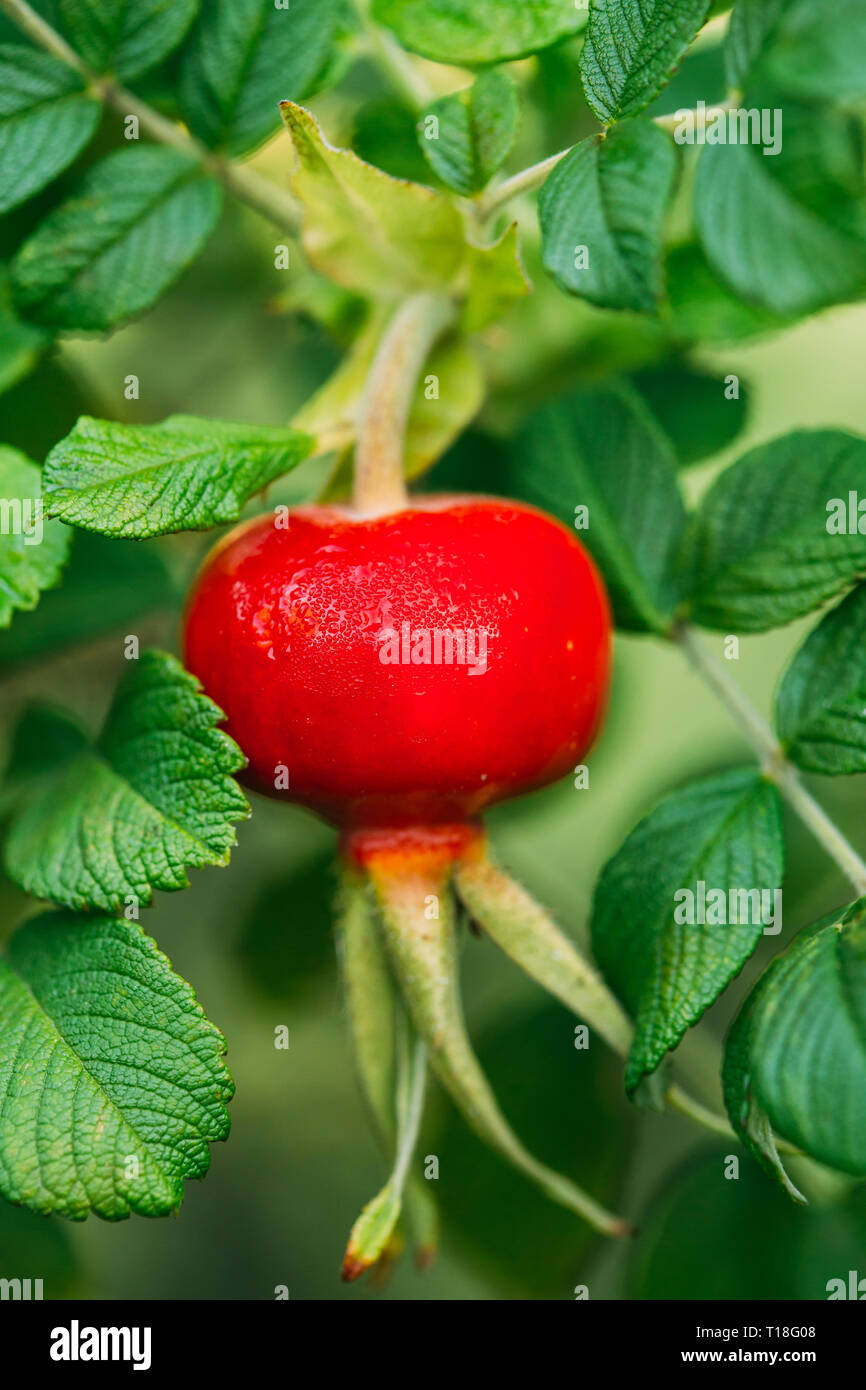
x,y
379,472
523,182
412,1077
270,201
535,175
776,766
423,955
370,1002
373,1015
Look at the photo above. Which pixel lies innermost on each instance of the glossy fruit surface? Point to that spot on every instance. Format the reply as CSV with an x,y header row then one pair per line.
x,y
408,669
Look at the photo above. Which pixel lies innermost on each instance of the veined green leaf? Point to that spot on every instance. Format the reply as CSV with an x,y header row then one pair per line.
x,y
803,48
703,309
32,551
185,474
112,1080
602,211
246,56
801,1043
602,451
473,32
696,410
631,49
140,216
465,137
821,704
153,795
496,280
126,37
787,231
380,236
46,119
764,547
723,833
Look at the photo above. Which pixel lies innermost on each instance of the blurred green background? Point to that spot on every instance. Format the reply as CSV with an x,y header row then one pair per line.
x,y
255,939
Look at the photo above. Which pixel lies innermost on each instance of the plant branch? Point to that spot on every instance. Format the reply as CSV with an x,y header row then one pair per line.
x,y
533,177
405,347
523,182
776,766
274,203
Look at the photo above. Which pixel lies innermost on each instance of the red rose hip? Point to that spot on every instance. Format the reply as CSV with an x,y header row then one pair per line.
x,y
407,669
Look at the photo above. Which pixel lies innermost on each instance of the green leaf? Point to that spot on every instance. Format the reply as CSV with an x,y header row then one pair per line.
x,y
787,231
496,280
44,738
749,1120
185,474
113,1081
821,704
246,56
692,408
631,49
808,50
467,136
761,549
140,216
602,212
32,551
802,1043
702,308
107,585
470,32
601,449
724,832
436,421
46,119
126,37
380,236
700,77
153,795
752,28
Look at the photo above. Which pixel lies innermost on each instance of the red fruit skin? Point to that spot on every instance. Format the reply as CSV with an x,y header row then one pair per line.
x,y
283,630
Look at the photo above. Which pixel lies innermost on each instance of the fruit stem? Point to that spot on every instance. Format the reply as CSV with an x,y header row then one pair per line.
x,y
379,475
525,932
417,909
374,1015
373,1232
776,767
